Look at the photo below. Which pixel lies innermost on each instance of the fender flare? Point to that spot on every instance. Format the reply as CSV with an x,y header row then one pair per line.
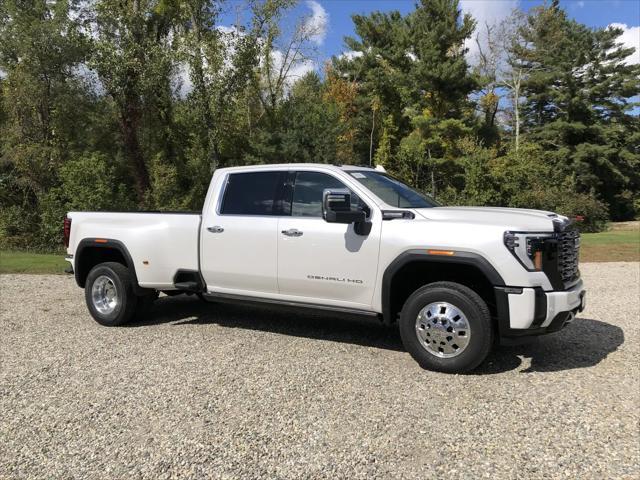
x,y
410,256
111,244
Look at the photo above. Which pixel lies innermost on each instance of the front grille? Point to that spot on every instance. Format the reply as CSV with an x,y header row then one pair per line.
x,y
568,253
560,257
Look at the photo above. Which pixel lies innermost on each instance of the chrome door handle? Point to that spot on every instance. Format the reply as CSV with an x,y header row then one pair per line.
x,y
292,232
215,229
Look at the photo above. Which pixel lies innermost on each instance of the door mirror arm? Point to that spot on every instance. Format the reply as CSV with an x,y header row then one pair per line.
x,y
362,228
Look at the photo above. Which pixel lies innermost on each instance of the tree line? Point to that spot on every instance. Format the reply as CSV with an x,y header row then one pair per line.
x,y
133,104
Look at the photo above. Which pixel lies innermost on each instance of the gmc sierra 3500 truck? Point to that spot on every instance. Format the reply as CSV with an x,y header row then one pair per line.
x,y
347,239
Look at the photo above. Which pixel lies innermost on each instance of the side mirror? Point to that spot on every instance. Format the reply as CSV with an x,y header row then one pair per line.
x,y
336,208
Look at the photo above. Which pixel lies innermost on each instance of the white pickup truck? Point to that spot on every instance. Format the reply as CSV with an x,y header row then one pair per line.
x,y
347,239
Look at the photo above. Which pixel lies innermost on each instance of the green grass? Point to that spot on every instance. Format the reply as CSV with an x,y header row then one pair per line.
x,y
614,237
27,262
620,244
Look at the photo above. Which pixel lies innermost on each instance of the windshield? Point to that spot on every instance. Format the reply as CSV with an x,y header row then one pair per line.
x,y
393,192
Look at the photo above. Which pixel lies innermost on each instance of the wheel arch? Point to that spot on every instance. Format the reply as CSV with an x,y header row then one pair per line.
x,y
415,268
93,251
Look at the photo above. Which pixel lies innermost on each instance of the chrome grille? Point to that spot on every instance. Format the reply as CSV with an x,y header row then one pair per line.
x,y
568,255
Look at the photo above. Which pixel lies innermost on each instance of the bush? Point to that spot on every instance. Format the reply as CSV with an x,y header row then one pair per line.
x,y
166,192
17,225
528,180
91,182
591,213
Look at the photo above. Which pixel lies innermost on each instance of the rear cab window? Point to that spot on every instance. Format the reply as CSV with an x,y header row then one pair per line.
x,y
253,193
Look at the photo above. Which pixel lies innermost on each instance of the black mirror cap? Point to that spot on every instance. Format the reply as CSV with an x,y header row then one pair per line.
x,y
336,200
336,206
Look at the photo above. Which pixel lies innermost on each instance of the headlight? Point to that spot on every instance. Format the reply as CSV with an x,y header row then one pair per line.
x,y
527,248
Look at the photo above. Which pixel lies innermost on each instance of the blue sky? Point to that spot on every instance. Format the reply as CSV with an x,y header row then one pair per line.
x,y
594,13
333,17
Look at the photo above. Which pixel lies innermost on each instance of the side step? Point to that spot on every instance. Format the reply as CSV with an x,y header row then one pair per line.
x,y
188,281
188,286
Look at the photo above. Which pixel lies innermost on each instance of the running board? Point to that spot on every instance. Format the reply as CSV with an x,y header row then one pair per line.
x,y
188,286
242,299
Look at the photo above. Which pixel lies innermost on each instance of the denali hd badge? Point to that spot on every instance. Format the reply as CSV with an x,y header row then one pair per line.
x,y
334,279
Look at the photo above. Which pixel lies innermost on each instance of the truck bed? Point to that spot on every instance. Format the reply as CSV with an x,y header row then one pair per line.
x,y
159,243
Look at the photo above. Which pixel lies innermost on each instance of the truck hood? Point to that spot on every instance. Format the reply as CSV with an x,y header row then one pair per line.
x,y
509,218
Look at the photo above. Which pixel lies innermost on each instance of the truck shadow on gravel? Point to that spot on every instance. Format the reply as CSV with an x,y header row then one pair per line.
x,y
582,344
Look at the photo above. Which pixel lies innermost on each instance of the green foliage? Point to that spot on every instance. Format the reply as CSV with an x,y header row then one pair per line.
x,y
384,154
90,182
526,180
17,227
166,192
578,104
93,182
132,105
481,184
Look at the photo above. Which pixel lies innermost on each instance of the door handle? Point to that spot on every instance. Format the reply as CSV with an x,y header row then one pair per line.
x,y
292,232
216,229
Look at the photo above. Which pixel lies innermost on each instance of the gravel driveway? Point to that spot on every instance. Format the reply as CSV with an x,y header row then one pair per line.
x,y
231,392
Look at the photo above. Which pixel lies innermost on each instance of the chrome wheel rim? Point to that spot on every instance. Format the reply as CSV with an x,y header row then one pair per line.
x,y
443,330
104,295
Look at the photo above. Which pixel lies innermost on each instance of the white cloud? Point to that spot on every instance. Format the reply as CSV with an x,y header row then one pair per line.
x,y
350,55
296,71
300,70
630,38
90,77
229,36
485,12
581,4
317,23
182,83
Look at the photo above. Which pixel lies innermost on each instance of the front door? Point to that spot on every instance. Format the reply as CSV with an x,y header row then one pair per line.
x,y
320,262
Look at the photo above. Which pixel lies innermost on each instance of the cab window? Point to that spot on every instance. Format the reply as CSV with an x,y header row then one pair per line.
x,y
252,193
308,188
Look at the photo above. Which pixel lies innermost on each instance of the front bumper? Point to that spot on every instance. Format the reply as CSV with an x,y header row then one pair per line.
x,y
532,311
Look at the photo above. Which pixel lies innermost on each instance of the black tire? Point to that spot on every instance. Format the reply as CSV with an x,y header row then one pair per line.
x,y
127,301
478,318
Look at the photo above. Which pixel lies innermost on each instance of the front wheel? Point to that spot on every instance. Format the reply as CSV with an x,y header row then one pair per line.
x,y
109,294
446,327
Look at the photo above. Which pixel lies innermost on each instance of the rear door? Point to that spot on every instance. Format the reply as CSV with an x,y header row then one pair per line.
x,y
239,239
320,262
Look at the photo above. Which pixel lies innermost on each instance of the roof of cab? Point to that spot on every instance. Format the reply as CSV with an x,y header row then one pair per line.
x,y
287,166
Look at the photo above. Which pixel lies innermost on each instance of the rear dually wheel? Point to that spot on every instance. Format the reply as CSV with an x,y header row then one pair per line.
x,y
109,294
